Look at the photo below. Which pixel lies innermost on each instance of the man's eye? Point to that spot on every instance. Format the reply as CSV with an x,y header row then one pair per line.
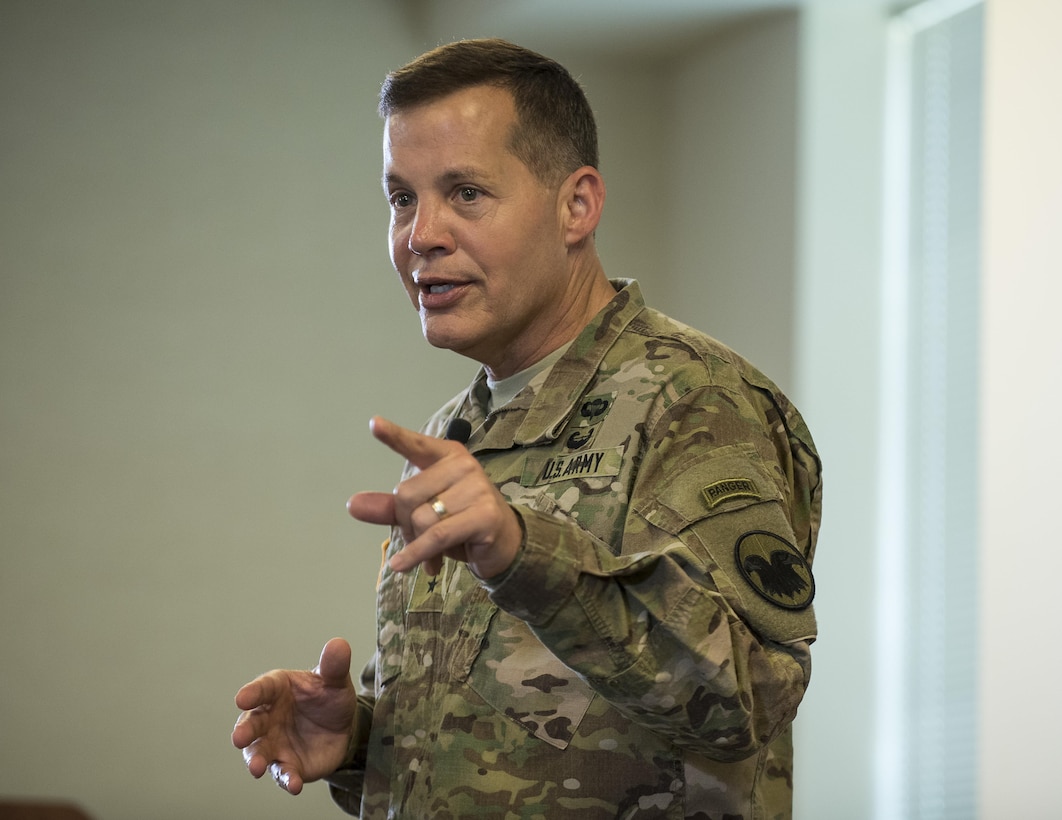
x,y
468,194
401,200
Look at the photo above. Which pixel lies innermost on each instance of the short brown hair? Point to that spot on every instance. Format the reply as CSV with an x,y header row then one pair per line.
x,y
555,131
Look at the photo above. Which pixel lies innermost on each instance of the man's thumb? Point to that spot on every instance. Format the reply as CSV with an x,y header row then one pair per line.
x,y
334,665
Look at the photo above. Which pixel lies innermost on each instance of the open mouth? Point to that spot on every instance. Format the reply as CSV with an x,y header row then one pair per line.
x,y
436,295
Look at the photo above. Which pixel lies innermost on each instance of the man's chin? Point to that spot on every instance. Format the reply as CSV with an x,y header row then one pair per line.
x,y
440,338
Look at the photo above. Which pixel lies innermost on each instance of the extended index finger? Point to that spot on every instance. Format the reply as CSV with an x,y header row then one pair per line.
x,y
419,450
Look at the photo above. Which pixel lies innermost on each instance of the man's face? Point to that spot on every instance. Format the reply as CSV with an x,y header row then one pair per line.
x,y
476,238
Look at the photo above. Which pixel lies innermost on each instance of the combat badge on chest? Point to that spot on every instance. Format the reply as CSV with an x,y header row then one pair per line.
x,y
578,459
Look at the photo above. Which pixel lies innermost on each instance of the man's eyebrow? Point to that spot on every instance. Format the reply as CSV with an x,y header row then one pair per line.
x,y
445,179
461,174
391,181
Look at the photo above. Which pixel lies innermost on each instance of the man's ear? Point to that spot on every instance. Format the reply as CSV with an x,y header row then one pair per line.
x,y
583,199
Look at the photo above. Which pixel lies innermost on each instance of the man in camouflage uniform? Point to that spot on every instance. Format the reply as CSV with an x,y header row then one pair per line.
x,y
600,604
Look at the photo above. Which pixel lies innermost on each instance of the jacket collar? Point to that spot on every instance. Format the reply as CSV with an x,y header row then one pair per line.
x,y
546,410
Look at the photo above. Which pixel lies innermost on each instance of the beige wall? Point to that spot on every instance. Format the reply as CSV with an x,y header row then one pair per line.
x,y
732,190
1021,713
198,317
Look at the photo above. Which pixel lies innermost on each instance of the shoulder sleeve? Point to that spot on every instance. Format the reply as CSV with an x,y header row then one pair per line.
x,y
724,506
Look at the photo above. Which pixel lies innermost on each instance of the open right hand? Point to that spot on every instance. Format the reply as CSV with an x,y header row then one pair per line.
x,y
296,724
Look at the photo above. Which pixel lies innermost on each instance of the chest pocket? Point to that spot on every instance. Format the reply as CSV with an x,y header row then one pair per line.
x,y
524,681
588,486
429,626
451,619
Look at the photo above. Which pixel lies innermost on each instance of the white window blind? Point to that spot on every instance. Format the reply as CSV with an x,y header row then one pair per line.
x,y
928,560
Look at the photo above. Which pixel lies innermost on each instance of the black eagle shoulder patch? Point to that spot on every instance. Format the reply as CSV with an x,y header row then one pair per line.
x,y
775,569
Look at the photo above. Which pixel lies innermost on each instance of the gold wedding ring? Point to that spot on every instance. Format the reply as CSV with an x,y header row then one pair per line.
x,y
439,507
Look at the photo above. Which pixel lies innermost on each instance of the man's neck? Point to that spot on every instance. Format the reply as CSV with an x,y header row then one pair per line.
x,y
590,293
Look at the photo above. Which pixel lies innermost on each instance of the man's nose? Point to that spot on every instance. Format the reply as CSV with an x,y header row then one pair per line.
x,y
430,232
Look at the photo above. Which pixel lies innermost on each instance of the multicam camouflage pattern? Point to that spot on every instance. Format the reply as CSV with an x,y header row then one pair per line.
x,y
633,662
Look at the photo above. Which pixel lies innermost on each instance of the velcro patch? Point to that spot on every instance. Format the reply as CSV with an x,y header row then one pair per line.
x,y
595,408
587,464
776,569
580,437
720,491
427,592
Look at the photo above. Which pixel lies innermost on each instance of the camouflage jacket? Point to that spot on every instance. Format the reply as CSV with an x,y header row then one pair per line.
x,y
645,654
